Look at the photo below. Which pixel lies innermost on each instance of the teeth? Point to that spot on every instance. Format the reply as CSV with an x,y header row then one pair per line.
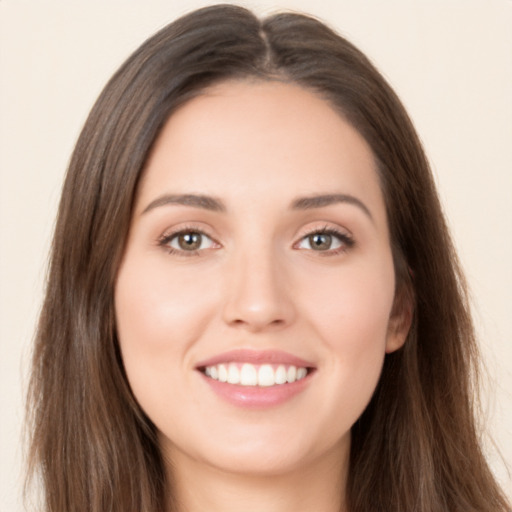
x,y
301,373
280,375
248,375
264,375
233,374
291,374
223,373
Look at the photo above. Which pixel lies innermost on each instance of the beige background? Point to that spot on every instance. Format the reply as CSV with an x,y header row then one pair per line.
x,y
450,61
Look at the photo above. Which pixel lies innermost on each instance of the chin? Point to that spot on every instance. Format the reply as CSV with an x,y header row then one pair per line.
x,y
257,451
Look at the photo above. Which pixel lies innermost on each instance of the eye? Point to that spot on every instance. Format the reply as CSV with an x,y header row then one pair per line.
x,y
326,240
186,241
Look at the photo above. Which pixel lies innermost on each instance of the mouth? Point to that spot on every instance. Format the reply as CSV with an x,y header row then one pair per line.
x,y
248,378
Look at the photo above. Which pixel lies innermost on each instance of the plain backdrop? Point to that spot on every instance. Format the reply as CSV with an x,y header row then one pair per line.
x,y
449,60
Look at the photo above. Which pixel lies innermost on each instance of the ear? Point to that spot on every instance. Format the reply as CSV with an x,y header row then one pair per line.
x,y
400,320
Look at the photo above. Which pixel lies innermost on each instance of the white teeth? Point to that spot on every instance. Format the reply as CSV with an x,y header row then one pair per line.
x,y
291,374
223,373
233,374
266,376
248,374
301,373
280,375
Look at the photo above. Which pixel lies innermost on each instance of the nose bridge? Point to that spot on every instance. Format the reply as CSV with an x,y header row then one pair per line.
x,y
258,294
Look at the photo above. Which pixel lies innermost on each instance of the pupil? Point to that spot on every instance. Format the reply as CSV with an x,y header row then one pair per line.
x,y
320,241
190,241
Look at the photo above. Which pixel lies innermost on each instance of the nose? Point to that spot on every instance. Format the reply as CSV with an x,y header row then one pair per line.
x,y
259,296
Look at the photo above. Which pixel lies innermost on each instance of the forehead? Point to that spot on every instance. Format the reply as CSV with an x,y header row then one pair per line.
x,y
274,139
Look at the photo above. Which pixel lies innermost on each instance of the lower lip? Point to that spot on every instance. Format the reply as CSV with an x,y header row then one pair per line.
x,y
254,397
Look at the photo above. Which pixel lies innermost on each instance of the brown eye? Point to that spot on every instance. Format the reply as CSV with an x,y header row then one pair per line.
x,y
327,241
320,241
189,241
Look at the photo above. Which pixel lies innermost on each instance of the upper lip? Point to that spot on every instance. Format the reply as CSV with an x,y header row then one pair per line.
x,y
256,357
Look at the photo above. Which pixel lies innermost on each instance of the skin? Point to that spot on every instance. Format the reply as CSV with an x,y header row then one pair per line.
x,y
257,283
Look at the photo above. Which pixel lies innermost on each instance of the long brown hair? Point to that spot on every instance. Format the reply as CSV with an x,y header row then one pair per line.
x,y
415,448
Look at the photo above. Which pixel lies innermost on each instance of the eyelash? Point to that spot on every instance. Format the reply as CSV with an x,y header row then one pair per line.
x,y
347,242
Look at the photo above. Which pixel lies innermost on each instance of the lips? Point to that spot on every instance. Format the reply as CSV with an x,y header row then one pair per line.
x,y
250,378
256,357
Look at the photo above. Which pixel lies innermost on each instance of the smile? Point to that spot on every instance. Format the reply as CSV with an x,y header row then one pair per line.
x,y
247,374
256,378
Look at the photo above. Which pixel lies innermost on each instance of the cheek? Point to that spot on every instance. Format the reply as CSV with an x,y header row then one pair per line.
x,y
352,307
153,305
159,316
350,315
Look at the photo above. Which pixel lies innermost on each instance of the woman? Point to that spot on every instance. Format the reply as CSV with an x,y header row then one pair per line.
x,y
253,297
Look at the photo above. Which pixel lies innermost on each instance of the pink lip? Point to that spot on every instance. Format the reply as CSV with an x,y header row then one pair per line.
x,y
256,357
254,397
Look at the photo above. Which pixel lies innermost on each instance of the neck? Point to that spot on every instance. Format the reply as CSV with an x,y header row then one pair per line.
x,y
319,485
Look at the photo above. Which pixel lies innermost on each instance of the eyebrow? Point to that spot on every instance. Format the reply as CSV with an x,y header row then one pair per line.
x,y
323,200
194,200
216,205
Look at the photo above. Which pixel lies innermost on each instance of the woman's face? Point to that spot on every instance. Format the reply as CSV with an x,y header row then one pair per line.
x,y
254,301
